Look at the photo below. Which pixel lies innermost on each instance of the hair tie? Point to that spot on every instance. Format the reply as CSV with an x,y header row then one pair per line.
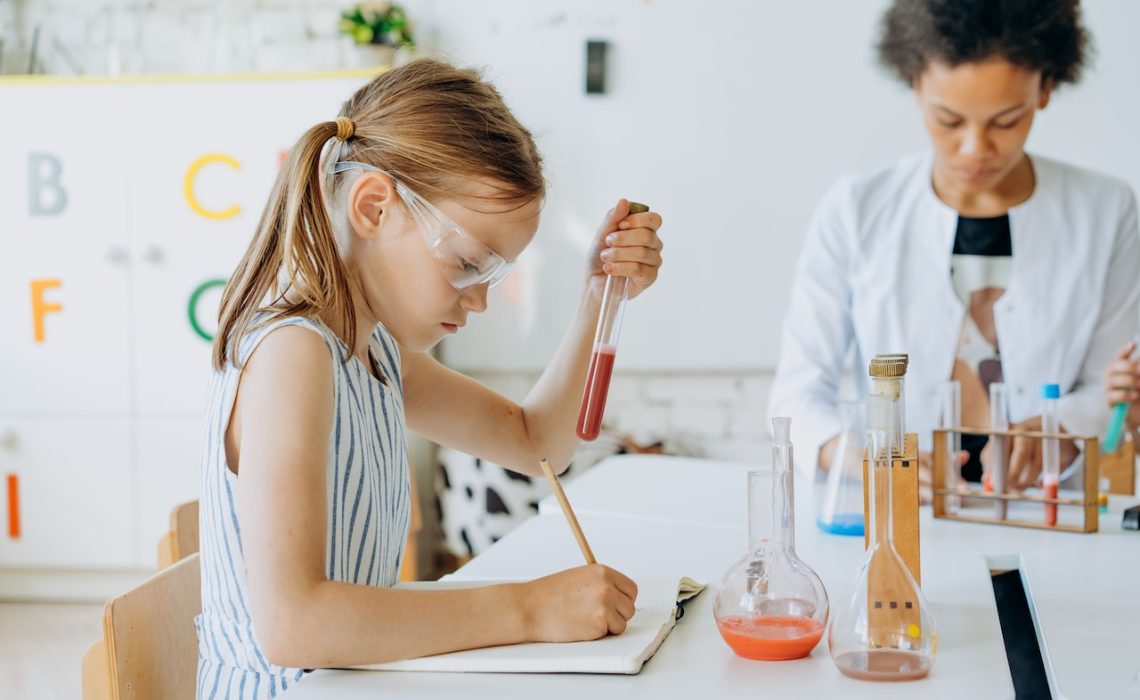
x,y
344,128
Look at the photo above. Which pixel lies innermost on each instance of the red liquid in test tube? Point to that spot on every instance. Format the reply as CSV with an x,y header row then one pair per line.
x,y
605,351
1051,488
597,389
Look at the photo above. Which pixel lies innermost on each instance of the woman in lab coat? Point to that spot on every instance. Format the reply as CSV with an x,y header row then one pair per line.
x,y
981,261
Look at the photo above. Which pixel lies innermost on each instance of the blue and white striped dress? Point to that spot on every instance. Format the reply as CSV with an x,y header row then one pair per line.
x,y
368,494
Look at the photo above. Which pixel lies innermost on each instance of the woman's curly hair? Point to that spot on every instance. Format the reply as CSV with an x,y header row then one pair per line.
x,y
1041,35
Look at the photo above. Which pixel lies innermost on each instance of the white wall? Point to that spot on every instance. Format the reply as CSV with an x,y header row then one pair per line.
x,y
731,118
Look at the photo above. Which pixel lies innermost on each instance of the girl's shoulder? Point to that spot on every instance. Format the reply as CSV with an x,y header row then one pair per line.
x,y
265,323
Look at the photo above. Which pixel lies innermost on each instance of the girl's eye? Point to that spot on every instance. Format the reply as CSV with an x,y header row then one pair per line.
x,y
467,266
1009,125
949,125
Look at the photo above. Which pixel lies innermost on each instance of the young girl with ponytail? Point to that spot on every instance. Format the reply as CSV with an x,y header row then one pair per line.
x,y
384,231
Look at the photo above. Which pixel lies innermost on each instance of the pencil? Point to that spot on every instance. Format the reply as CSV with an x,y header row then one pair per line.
x,y
567,511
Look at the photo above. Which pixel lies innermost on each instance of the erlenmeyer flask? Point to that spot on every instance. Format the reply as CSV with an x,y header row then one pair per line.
x,y
841,507
883,629
771,605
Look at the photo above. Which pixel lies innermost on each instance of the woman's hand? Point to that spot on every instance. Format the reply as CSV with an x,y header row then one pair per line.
x,y
1122,383
588,602
1025,456
627,246
926,475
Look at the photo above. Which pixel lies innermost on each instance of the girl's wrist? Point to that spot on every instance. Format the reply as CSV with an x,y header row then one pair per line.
x,y
591,301
519,617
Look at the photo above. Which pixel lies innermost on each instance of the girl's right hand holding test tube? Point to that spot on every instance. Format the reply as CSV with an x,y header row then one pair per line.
x,y
626,245
1122,383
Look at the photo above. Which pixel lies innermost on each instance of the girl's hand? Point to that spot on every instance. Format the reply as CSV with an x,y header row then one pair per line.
x,y
627,246
1122,383
588,602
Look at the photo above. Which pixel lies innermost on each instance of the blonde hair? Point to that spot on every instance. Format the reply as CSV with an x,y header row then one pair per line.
x,y
429,124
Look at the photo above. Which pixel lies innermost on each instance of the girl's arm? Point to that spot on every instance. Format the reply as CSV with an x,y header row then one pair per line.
x,y
279,440
454,410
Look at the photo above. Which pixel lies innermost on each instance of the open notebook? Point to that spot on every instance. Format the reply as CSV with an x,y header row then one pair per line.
x,y
655,615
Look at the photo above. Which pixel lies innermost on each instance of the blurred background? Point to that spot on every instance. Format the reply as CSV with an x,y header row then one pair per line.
x,y
140,140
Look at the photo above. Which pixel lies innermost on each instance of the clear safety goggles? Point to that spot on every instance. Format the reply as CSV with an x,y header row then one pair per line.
x,y
464,261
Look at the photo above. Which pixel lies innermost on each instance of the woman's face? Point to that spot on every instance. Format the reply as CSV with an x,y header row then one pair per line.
x,y
978,116
402,281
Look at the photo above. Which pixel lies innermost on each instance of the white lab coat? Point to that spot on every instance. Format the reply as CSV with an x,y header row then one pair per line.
x,y
875,270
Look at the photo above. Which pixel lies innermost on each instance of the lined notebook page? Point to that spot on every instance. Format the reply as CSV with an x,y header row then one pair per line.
x,y
654,617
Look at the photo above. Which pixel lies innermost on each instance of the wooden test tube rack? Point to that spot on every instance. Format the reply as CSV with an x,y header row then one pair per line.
x,y
1088,502
889,605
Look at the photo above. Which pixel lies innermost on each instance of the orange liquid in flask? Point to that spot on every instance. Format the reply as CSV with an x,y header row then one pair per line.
x,y
771,637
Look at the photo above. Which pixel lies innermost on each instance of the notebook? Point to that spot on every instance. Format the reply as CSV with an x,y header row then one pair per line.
x,y
656,611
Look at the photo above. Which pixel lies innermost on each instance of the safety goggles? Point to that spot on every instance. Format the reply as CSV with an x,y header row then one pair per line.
x,y
464,261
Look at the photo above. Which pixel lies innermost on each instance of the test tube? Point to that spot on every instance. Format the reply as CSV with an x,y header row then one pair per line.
x,y
950,395
1050,449
999,420
1119,415
605,351
888,378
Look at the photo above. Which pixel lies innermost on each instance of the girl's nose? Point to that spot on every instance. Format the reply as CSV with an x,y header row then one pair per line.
x,y
474,299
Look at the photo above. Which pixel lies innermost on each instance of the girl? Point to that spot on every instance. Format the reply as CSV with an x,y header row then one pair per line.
x,y
385,229
984,262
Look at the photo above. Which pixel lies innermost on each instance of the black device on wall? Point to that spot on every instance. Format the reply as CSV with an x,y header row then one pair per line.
x,y
596,66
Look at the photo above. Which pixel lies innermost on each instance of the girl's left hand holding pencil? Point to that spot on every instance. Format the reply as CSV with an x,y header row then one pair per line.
x,y
626,245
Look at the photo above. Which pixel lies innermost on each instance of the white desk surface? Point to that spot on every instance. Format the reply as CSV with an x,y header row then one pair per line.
x,y
694,524
694,662
1084,588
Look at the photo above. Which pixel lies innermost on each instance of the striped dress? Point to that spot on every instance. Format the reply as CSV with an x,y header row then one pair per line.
x,y
368,492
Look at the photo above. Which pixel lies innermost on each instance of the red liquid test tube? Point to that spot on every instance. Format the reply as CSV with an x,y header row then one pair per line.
x,y
605,351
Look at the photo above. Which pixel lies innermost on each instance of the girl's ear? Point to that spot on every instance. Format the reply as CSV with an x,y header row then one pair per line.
x,y
369,198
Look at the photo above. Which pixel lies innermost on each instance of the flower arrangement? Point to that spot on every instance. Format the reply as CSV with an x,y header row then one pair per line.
x,y
377,23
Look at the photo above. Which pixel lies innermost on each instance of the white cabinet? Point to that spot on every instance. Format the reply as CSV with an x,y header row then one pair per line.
x,y
123,208
63,254
73,489
167,457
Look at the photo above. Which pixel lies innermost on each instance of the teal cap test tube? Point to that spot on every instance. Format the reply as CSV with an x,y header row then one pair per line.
x,y
1116,422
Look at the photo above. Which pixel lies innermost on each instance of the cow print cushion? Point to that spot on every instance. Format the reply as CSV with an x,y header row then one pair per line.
x,y
479,502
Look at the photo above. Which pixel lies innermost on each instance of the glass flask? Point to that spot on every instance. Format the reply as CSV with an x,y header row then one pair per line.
x,y
771,605
841,506
883,629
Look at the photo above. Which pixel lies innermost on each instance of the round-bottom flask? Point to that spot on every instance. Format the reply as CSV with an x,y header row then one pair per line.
x,y
771,605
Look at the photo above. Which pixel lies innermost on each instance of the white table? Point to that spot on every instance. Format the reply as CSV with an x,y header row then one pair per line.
x,y
652,516
1084,588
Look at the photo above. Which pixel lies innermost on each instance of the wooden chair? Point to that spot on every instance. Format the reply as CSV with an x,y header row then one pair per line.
x,y
182,539
149,647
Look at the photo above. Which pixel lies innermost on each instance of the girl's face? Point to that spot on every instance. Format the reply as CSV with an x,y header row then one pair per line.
x,y
403,283
978,116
